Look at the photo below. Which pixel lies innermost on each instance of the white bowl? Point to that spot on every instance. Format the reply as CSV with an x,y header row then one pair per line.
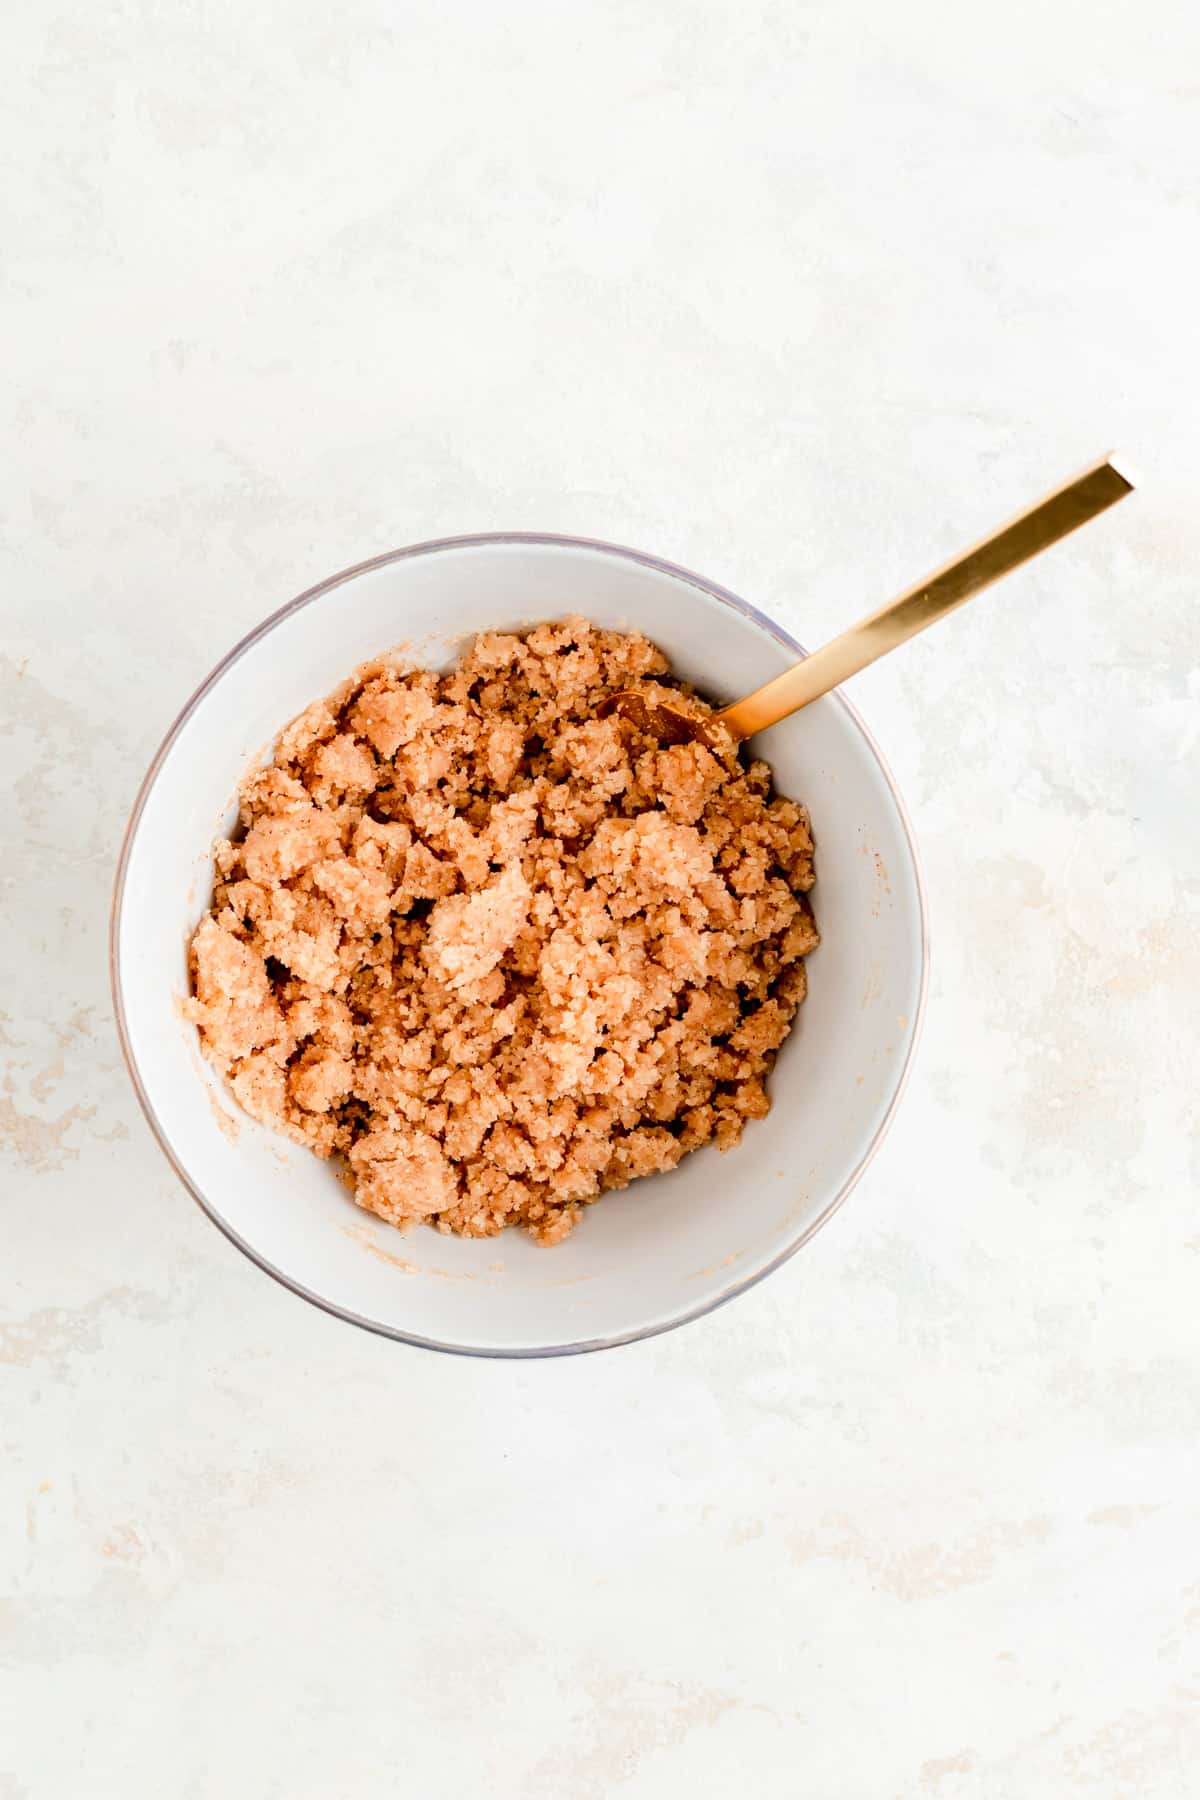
x,y
668,1248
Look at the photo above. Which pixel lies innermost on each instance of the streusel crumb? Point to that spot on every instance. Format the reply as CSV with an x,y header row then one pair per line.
x,y
499,953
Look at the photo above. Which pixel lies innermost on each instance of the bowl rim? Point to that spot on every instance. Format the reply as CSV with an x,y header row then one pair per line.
x,y
432,546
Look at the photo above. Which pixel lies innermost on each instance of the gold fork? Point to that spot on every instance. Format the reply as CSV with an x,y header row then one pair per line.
x,y
1055,516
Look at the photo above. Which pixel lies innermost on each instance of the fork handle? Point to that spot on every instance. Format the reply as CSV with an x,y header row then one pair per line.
x,y
1055,516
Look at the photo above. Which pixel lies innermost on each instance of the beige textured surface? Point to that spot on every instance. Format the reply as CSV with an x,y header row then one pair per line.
x,y
803,296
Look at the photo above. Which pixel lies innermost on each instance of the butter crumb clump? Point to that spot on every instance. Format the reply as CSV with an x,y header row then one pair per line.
x,y
497,953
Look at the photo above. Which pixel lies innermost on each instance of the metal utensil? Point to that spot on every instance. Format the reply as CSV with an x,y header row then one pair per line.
x,y
1055,516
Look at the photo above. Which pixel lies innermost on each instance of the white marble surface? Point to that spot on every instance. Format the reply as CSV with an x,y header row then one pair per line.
x,y
803,296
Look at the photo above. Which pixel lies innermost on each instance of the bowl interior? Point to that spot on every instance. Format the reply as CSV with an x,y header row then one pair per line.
x,y
670,1246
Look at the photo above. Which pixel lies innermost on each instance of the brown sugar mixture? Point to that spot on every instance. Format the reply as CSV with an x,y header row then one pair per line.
x,y
497,952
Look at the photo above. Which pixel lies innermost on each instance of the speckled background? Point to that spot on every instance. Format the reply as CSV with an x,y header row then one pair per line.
x,y
803,296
